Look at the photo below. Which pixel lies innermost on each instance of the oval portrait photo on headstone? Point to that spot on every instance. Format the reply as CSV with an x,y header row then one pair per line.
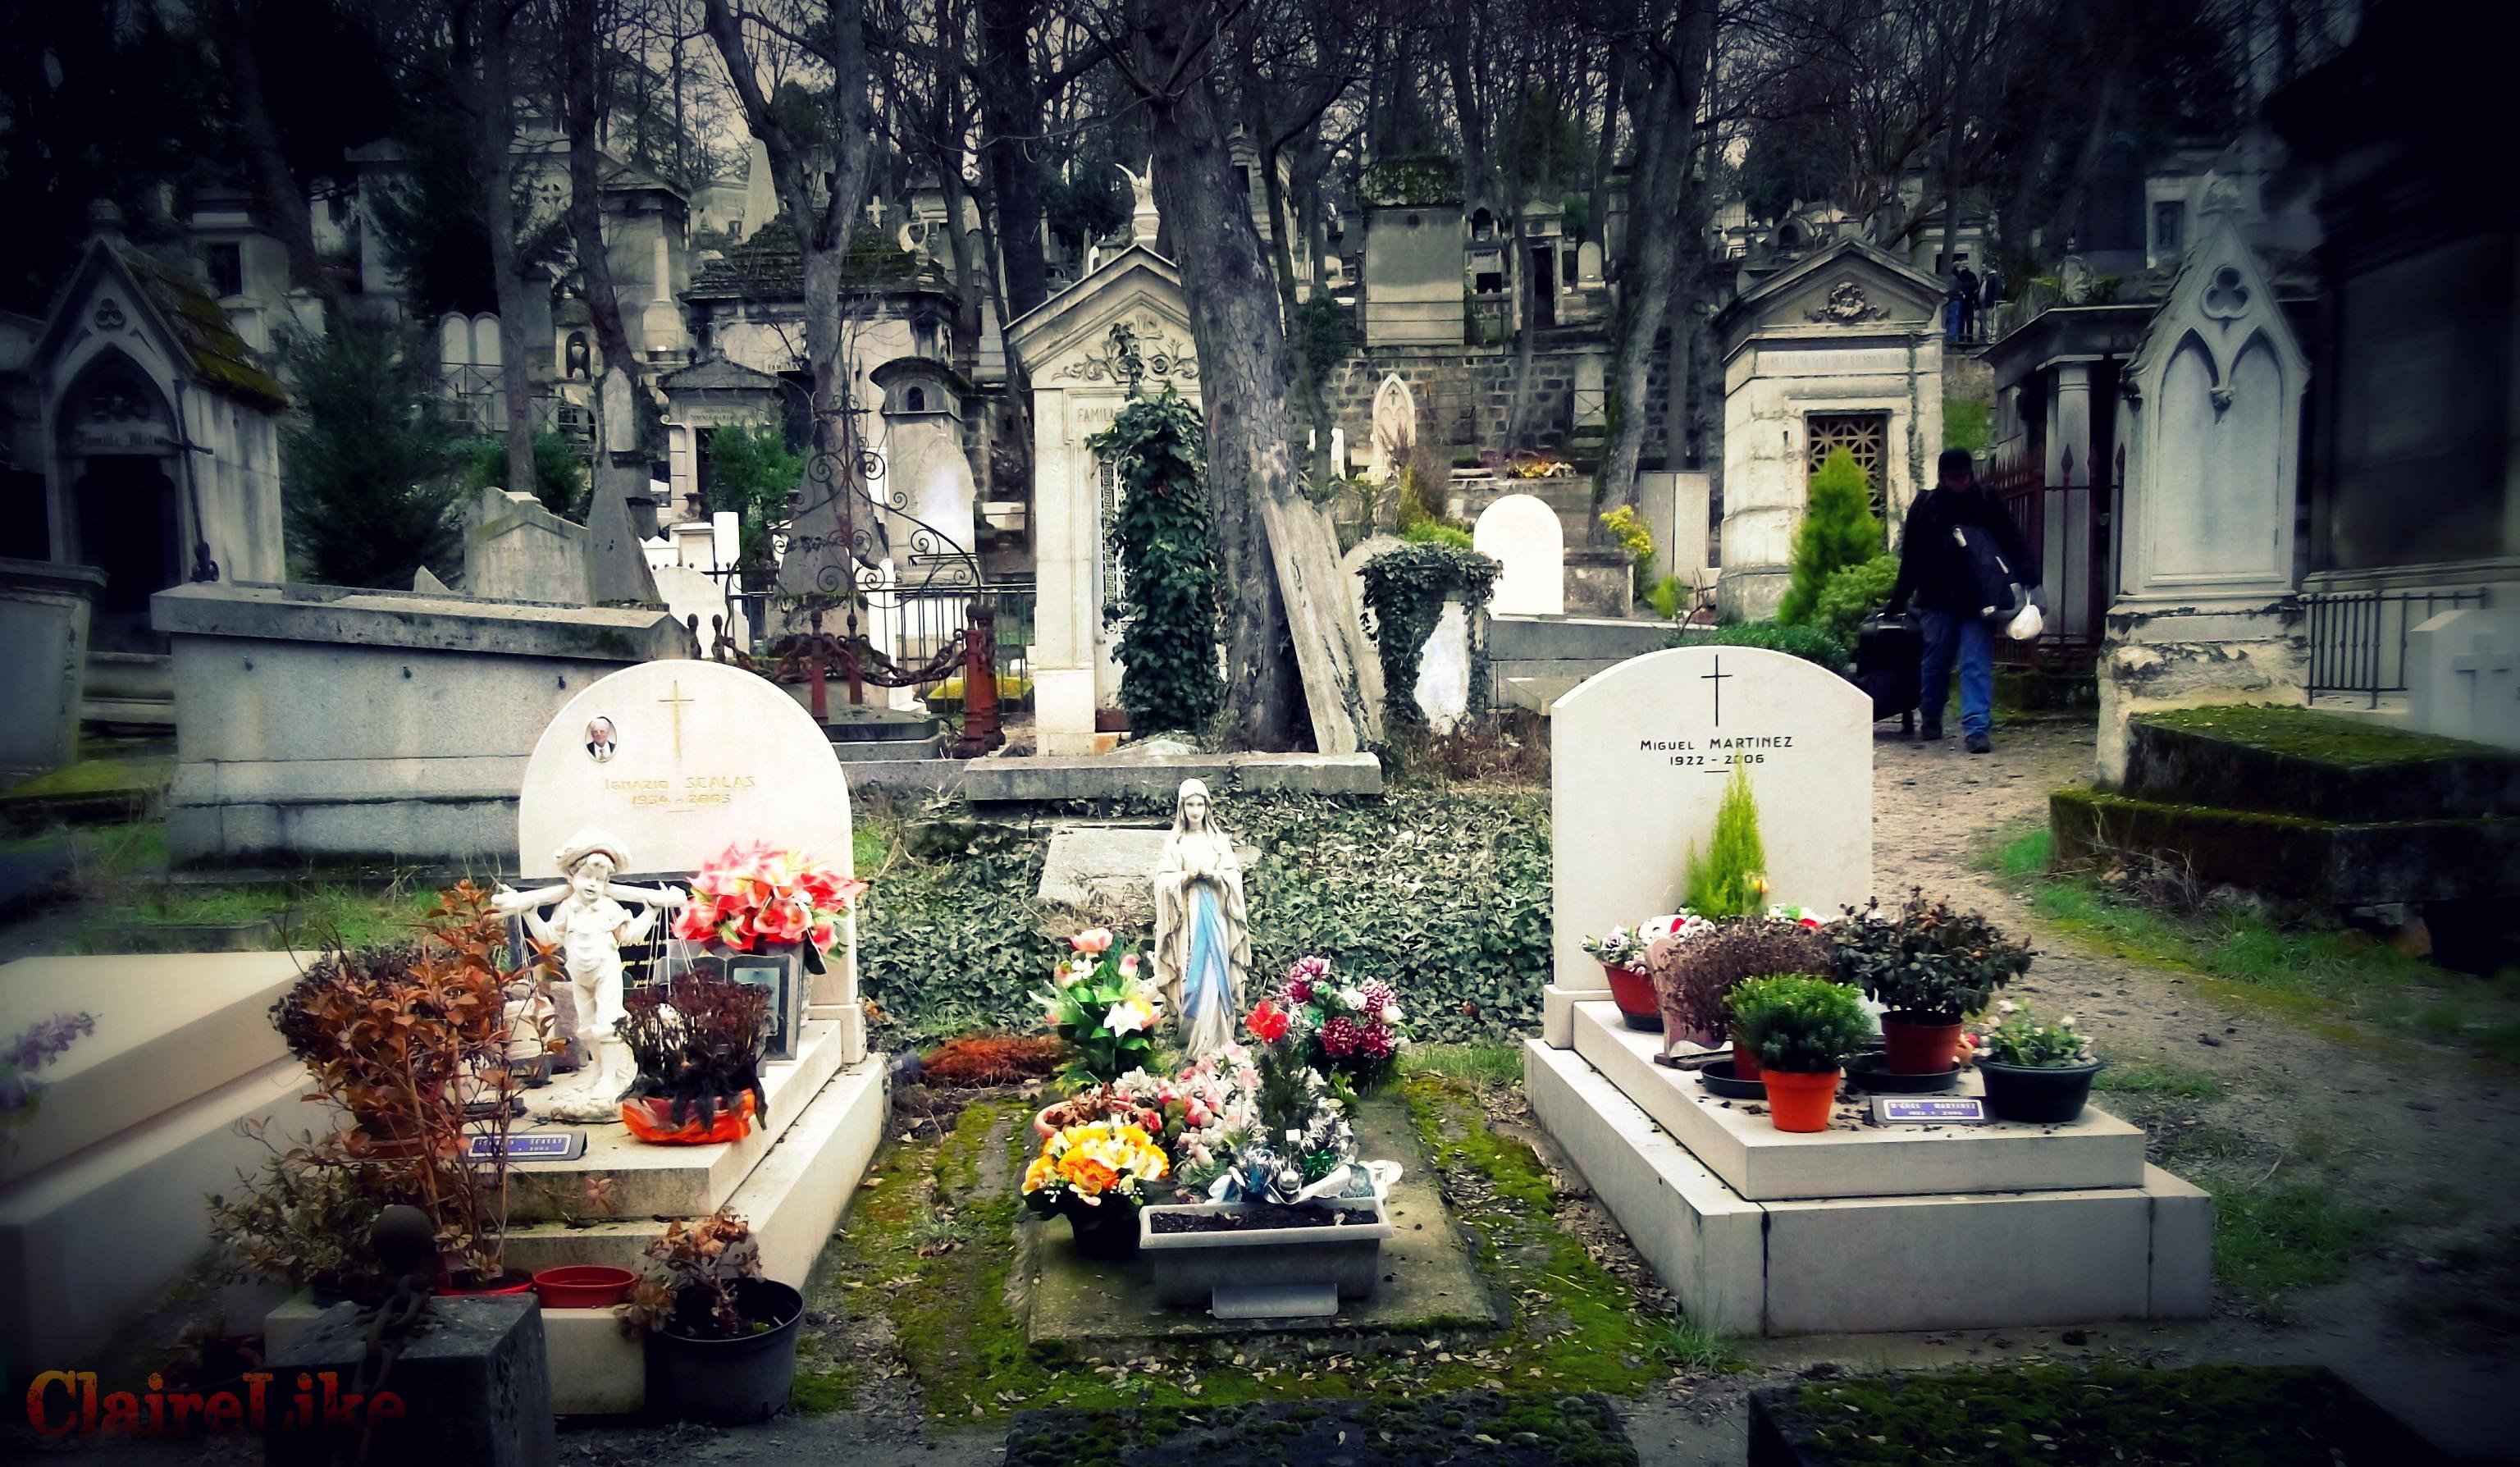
x,y
601,739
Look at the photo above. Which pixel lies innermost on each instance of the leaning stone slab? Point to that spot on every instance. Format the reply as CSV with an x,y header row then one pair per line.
x,y
473,1387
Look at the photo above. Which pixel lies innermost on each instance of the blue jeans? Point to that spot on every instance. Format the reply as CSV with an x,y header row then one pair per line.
x,y
1957,636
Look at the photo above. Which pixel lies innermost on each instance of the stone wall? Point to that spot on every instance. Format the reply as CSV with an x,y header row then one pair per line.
x,y
1465,395
318,723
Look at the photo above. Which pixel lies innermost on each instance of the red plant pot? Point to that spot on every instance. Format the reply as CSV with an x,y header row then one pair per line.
x,y
1746,1057
1800,1102
652,1120
1920,1044
465,1285
583,1286
1634,992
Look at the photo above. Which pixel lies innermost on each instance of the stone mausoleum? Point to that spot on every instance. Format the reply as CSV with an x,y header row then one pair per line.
x,y
1840,351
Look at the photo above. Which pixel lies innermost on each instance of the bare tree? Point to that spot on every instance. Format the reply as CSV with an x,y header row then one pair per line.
x,y
828,38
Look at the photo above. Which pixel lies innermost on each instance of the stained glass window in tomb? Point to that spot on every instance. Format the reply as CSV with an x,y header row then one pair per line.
x,y
1867,435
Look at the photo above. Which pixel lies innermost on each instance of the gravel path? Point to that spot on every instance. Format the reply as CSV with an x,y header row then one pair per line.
x,y
2423,1135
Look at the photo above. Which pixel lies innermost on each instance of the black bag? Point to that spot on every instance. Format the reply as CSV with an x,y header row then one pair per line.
x,y
1995,588
1887,657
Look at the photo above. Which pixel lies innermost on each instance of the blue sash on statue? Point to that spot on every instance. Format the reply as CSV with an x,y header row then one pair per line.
x,y
1207,980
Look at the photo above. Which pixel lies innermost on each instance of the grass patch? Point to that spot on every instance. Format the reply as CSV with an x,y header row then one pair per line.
x,y
2270,1243
1479,1063
2157,1077
929,1245
140,778
818,1393
1686,1345
2327,979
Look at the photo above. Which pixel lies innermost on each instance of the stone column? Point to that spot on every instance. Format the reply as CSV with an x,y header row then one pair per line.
x,y
1065,619
2070,449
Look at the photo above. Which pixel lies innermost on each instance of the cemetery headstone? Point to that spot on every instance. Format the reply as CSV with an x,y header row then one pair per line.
x,y
1443,690
1522,533
1639,759
679,760
2464,675
1395,426
517,550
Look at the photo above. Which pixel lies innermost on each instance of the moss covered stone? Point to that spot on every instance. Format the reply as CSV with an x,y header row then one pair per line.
x,y
2324,738
2337,863
2293,762
2081,1416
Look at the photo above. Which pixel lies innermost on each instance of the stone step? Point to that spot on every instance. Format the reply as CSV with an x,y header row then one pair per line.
x,y
870,751
792,1199
598,1365
89,1241
170,1029
1990,1259
643,1179
2298,762
1763,1164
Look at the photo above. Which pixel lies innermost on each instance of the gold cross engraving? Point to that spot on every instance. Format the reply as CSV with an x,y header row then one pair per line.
x,y
675,700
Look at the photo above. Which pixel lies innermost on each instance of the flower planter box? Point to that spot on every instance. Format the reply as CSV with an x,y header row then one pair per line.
x,y
1335,1261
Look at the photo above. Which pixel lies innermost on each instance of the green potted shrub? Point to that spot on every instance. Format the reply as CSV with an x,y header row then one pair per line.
x,y
1930,968
1804,1028
725,1337
2035,1072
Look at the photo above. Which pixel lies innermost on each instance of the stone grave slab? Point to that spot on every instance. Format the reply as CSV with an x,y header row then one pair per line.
x,y
1107,870
793,1198
1827,1266
475,1388
169,1028
1852,1157
1639,755
1428,1279
671,1182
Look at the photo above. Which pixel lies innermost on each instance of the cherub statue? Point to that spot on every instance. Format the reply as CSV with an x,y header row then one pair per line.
x,y
590,926
1203,930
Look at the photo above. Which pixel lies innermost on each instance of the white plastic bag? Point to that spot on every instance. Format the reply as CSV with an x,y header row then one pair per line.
x,y
2026,624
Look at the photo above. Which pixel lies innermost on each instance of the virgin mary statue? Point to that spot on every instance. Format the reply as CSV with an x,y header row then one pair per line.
x,y
1203,930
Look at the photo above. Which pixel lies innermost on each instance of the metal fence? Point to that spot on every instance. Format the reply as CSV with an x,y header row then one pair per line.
x,y
2066,529
2358,639
913,624
479,399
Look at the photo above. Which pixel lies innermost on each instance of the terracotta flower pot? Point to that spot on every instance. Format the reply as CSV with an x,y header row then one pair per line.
x,y
1798,1102
583,1286
1634,992
1050,1121
651,1120
466,1285
1746,1057
1919,1043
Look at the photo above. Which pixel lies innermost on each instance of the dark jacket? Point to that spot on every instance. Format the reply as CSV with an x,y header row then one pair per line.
x,y
1930,568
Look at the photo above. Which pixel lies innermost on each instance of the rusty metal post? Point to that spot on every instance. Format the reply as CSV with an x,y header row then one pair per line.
x,y
814,666
980,730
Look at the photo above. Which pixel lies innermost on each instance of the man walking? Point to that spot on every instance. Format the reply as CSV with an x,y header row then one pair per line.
x,y
1964,282
1936,571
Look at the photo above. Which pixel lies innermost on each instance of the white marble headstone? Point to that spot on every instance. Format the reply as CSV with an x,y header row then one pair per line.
x,y
678,760
1443,690
1639,759
1522,534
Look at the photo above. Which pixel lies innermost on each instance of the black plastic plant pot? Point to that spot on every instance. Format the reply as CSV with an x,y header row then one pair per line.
x,y
737,1380
2037,1097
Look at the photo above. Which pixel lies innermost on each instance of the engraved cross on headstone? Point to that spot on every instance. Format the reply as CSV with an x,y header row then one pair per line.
x,y
1717,679
2482,660
675,700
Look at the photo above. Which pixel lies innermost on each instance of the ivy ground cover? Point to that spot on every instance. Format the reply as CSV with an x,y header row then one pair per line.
x,y
1443,894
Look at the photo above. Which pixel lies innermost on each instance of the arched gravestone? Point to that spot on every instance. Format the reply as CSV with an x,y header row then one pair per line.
x,y
680,759
1639,759
1522,533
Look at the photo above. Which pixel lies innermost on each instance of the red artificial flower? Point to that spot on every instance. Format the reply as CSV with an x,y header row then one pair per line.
x,y
1268,1023
781,921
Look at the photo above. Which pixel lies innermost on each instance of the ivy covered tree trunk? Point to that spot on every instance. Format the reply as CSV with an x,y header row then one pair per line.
x,y
1167,651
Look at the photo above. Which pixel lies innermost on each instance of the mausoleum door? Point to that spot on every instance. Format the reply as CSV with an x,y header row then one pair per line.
x,y
129,527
